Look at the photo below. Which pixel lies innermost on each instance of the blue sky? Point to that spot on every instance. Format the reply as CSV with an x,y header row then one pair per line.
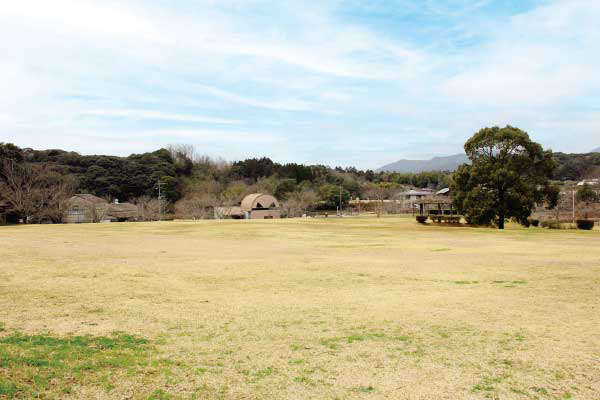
x,y
338,82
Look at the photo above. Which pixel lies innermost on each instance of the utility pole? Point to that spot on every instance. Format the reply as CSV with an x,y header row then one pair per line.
x,y
159,184
574,206
340,200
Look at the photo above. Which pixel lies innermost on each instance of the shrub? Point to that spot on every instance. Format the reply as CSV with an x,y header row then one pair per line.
x,y
534,222
421,219
586,224
526,223
551,224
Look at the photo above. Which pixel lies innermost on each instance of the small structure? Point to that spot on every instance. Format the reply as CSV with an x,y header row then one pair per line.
x,y
85,208
412,194
122,212
260,206
409,197
439,208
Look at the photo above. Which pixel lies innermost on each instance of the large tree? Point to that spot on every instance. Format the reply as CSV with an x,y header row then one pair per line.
x,y
509,174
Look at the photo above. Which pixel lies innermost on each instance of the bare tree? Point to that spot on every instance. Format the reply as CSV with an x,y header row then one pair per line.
x,y
53,191
35,192
148,208
299,203
17,187
182,151
200,206
375,192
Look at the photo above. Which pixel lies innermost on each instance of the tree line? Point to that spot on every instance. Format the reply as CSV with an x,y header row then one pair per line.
x,y
192,184
499,183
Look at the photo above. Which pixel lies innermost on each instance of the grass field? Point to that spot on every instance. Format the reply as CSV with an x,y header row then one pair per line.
x,y
297,309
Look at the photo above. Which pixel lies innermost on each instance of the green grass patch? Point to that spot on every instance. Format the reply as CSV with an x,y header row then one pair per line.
x,y
488,383
540,390
45,366
365,389
261,374
305,380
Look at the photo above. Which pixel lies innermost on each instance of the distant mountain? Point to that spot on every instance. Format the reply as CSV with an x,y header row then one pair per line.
x,y
596,150
449,163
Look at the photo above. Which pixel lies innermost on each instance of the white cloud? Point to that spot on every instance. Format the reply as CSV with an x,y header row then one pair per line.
x,y
147,114
80,17
543,58
279,104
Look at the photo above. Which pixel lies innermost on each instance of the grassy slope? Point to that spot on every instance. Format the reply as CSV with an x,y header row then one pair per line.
x,y
353,308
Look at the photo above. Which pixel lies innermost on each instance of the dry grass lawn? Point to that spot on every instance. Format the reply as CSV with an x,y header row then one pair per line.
x,y
298,309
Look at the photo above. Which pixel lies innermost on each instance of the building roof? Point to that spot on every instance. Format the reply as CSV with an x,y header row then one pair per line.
x,y
591,182
229,211
443,191
259,200
122,210
413,192
89,198
434,200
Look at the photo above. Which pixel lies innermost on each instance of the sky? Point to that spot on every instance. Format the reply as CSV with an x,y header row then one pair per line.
x,y
338,82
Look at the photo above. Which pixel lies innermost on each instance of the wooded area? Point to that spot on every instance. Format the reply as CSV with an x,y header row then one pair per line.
x,y
35,183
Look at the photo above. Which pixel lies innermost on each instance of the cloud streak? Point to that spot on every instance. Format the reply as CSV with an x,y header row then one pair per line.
x,y
147,114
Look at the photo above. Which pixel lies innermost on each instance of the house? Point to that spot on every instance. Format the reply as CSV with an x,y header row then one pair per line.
x,y
409,197
122,212
260,206
438,204
254,206
87,208
415,194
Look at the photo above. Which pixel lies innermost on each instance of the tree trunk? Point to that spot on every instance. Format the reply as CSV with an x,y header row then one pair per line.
x,y
501,211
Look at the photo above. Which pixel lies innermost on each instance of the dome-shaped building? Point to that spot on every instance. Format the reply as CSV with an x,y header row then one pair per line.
x,y
260,206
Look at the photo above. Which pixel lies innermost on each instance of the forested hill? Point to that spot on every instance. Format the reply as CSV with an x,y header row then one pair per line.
x,y
575,166
121,178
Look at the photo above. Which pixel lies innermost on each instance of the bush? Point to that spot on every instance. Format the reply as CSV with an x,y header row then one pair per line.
x,y
526,223
534,222
551,224
421,219
586,224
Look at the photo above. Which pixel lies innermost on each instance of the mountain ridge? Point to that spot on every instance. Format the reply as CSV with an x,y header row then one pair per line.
x,y
446,163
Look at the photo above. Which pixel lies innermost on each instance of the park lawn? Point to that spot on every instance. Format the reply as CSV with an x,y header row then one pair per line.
x,y
297,309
